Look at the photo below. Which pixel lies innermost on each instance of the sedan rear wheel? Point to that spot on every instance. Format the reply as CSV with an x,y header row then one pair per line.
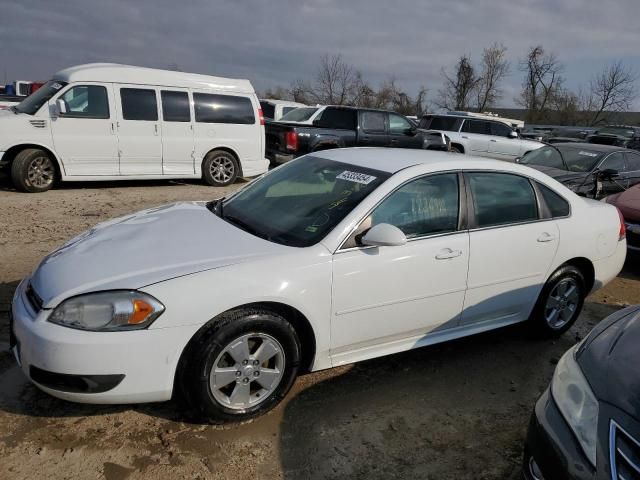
x,y
220,168
560,302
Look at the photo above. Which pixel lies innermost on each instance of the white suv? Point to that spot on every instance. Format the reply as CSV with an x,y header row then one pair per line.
x,y
480,136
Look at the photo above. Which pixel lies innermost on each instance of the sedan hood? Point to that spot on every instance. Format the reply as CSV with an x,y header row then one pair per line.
x,y
144,248
609,360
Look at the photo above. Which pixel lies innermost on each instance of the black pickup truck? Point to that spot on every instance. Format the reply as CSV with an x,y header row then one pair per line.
x,y
340,127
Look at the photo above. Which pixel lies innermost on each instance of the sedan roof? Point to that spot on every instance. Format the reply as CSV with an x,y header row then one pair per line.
x,y
393,160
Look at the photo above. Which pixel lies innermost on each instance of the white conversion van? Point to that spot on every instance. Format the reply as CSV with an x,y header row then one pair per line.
x,y
111,122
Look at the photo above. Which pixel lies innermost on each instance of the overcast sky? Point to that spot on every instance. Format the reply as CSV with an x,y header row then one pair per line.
x,y
273,42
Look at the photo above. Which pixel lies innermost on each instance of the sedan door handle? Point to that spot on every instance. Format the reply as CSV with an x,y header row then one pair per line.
x,y
465,137
448,253
492,140
546,237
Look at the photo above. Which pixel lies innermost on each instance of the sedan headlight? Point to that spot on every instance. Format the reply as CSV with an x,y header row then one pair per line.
x,y
108,311
576,402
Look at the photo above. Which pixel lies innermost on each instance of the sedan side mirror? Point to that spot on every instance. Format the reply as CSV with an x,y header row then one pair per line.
x,y
384,235
513,134
410,131
61,107
608,173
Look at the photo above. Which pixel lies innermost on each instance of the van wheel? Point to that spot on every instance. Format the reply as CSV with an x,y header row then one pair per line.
x,y
33,171
240,367
559,303
220,168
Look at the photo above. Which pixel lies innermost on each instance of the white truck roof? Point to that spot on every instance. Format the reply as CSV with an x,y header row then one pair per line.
x,y
283,102
116,73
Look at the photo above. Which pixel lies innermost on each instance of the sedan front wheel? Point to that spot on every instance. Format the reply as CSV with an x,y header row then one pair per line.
x,y
240,366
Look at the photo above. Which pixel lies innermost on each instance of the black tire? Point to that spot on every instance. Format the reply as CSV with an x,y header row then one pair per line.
x,y
456,149
220,168
210,344
33,171
541,318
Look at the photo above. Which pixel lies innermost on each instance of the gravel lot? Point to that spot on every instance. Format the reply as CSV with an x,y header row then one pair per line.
x,y
451,411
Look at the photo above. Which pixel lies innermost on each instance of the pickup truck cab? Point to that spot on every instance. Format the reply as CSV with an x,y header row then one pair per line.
x,y
340,127
479,136
119,122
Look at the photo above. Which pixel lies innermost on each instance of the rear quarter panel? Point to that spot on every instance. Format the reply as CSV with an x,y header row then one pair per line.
x,y
592,232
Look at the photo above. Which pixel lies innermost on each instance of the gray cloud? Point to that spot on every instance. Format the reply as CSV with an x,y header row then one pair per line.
x,y
277,41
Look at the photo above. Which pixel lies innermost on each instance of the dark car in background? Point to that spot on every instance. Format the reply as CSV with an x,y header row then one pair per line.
x,y
567,135
617,135
340,127
587,169
586,425
628,203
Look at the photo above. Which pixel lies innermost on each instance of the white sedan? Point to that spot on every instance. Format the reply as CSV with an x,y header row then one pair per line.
x,y
336,257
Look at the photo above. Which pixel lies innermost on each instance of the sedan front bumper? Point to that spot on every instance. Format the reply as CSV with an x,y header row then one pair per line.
x,y
552,446
95,367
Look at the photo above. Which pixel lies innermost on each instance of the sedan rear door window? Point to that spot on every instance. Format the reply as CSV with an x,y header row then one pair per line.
x,y
501,198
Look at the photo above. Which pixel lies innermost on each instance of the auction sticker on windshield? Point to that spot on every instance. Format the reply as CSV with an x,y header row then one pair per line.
x,y
356,177
587,154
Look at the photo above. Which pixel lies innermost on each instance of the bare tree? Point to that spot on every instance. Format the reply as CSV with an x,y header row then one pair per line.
x,y
277,93
494,68
542,81
458,88
613,90
336,83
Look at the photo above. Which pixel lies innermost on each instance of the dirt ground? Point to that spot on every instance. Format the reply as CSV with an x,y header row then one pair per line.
x,y
452,411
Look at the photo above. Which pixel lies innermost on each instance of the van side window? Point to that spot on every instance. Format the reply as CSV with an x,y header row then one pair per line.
x,y
86,101
175,106
139,104
210,108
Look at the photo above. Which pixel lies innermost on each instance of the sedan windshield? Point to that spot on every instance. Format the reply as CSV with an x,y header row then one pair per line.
x,y
299,203
33,102
301,114
573,159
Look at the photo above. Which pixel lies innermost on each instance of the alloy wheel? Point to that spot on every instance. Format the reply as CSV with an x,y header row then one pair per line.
x,y
247,371
41,172
562,303
222,169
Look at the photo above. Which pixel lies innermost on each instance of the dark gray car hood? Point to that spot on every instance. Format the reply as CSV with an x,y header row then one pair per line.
x,y
610,358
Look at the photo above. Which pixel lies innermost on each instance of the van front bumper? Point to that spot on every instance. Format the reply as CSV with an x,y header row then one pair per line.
x,y
95,367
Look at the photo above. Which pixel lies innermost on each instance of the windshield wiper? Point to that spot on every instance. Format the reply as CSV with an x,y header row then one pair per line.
x,y
14,110
246,227
216,206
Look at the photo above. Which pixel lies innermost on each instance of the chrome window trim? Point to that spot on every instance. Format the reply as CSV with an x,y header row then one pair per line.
x,y
460,207
538,200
